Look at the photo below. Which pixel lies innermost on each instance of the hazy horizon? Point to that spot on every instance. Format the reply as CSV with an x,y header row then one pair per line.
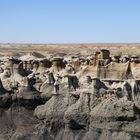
x,y
96,43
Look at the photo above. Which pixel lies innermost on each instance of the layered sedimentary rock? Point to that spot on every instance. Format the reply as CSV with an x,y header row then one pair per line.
x,y
91,98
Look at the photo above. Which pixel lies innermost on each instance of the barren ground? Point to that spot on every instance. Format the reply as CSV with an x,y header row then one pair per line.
x,y
84,49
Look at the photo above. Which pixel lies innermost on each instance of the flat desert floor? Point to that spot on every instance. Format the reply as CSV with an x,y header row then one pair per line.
x,y
62,49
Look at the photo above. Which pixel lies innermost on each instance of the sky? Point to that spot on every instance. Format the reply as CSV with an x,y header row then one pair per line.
x,y
69,21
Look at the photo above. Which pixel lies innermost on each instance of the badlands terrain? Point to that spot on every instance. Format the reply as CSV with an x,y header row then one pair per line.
x,y
69,91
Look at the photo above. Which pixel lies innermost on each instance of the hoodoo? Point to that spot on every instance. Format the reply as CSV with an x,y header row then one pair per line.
x,y
80,97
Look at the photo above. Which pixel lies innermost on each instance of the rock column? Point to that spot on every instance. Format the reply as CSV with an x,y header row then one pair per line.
x,y
94,85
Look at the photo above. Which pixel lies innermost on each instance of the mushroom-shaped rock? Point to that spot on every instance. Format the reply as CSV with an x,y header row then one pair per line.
x,y
28,96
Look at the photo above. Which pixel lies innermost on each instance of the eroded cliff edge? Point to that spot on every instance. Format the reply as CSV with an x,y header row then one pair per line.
x,y
69,117
84,108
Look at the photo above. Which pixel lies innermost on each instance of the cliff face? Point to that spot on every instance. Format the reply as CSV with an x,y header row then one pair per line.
x,y
86,119
56,103
69,117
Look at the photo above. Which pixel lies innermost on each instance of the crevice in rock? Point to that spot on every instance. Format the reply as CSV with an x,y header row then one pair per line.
x,y
130,119
75,126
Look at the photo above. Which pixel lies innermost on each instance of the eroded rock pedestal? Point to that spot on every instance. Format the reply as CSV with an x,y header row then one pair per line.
x,y
69,116
83,108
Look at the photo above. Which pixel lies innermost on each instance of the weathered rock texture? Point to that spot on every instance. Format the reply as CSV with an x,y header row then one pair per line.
x,y
91,98
110,119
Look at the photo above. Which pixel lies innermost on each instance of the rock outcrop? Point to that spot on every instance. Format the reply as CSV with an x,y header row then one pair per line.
x,y
69,99
108,119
